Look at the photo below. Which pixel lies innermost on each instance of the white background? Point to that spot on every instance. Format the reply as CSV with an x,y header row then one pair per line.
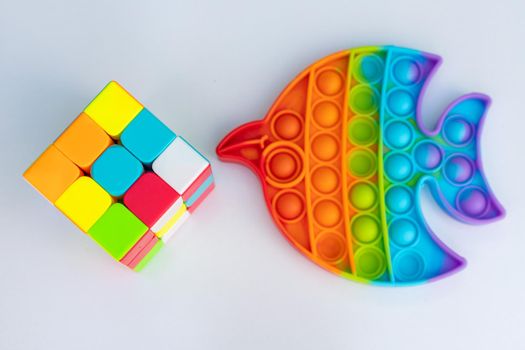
x,y
229,280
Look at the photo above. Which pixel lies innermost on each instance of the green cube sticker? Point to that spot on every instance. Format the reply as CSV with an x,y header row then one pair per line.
x,y
117,230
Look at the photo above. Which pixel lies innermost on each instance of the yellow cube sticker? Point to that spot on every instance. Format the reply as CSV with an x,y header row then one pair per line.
x,y
113,109
84,202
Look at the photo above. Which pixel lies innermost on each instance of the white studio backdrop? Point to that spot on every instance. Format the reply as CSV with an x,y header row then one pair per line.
x,y
229,280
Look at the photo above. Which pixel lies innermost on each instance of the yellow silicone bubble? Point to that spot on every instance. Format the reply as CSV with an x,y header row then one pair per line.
x,y
362,163
363,195
365,228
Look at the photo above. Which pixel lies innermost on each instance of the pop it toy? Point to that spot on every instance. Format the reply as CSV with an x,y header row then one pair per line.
x,y
122,176
342,156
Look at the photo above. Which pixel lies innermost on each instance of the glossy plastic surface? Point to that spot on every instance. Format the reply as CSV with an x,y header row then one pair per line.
x,y
342,155
121,203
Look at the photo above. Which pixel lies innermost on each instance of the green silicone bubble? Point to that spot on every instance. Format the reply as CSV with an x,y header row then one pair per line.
x,y
370,262
362,163
363,196
362,131
363,99
117,230
365,228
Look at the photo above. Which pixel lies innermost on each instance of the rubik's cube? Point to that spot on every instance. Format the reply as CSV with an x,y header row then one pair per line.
x,y
122,176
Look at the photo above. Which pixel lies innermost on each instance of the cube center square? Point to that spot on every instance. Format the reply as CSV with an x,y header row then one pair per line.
x,y
146,137
116,170
122,176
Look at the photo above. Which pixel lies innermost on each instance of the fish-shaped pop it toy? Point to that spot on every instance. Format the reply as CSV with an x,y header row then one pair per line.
x,y
342,155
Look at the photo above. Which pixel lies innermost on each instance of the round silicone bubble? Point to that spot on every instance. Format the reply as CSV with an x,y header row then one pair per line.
x,y
399,199
403,232
326,114
329,82
406,71
428,156
363,195
283,165
331,246
287,125
398,167
458,131
366,228
458,169
408,265
399,134
400,103
325,147
370,262
289,205
363,131
368,68
473,201
325,179
362,163
363,100
327,213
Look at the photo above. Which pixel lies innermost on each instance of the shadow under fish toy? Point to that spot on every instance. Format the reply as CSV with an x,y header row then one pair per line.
x,y
343,155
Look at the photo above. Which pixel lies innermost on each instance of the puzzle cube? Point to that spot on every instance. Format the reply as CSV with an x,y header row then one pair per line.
x,y
122,176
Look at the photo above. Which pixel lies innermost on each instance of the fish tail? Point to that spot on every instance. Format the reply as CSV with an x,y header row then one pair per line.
x,y
460,187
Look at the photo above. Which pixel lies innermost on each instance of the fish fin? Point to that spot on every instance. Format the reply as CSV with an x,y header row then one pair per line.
x,y
460,187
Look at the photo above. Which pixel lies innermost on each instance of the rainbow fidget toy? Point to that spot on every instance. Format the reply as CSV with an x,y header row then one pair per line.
x,y
122,176
342,156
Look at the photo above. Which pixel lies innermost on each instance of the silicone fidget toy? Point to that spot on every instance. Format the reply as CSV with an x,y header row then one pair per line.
x,y
342,156
122,176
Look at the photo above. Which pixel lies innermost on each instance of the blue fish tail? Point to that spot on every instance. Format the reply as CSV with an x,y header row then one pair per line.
x,y
459,185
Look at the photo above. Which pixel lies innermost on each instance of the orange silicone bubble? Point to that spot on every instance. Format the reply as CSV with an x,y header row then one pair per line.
x,y
330,82
83,141
325,179
325,147
289,205
327,213
287,125
326,114
52,173
314,185
331,246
